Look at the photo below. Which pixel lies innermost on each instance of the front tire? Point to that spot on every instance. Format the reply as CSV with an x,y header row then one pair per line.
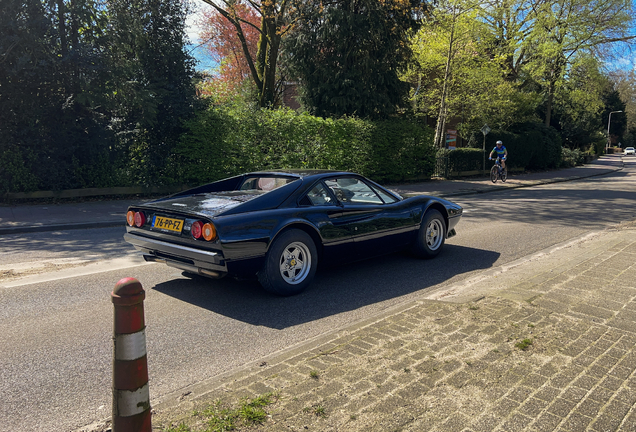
x,y
431,235
493,174
290,264
504,174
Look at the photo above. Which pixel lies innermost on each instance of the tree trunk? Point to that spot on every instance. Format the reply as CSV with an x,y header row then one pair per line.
x,y
61,8
75,86
548,108
439,140
261,53
270,55
439,128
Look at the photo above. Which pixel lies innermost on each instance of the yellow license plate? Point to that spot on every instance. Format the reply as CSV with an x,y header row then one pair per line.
x,y
168,224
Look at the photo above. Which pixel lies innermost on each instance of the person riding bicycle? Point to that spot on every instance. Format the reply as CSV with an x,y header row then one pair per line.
x,y
501,152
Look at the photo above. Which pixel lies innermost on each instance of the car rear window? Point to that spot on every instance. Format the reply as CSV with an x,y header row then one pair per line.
x,y
265,183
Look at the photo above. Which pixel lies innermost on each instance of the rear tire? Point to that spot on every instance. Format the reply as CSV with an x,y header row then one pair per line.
x,y
431,236
290,264
504,175
493,174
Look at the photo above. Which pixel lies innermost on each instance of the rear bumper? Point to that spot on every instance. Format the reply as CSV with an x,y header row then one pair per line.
x,y
204,262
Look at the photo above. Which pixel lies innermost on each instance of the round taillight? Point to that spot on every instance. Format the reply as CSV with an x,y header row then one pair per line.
x,y
140,219
209,232
130,218
196,229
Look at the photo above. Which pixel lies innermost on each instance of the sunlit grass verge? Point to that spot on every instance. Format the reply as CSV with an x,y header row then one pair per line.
x,y
219,417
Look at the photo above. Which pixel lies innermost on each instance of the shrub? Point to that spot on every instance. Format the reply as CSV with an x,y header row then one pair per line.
x,y
399,149
15,170
228,140
463,159
571,158
203,151
598,144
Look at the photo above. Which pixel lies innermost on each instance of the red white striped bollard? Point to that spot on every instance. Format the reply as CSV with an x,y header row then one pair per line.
x,y
131,398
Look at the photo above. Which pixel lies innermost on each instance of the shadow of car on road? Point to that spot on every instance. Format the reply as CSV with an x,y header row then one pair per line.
x,y
335,289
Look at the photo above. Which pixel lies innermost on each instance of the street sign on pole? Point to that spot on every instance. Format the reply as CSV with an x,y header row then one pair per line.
x,y
485,131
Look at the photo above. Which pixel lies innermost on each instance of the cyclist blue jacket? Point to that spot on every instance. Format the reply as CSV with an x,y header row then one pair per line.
x,y
501,152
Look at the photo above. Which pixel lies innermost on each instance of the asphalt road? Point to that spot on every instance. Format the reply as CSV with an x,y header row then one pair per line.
x,y
56,326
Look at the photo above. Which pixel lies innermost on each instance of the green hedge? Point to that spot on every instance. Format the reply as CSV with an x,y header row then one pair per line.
x,y
15,170
463,159
222,141
225,141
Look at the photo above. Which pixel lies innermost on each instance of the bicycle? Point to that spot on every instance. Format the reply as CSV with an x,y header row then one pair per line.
x,y
498,172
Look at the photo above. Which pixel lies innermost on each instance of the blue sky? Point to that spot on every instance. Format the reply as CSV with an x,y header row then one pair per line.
x,y
625,59
204,61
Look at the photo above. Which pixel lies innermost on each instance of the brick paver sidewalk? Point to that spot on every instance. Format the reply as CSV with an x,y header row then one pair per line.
x,y
540,345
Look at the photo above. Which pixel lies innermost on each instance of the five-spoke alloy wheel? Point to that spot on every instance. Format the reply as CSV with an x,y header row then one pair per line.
x,y
431,236
290,264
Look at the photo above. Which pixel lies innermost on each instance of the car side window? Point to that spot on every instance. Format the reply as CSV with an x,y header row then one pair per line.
x,y
350,190
319,196
385,196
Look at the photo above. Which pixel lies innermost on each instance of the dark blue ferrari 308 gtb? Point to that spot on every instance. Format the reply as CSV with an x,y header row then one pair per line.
x,y
278,225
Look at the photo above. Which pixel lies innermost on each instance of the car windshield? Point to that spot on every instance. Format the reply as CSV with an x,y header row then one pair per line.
x,y
265,183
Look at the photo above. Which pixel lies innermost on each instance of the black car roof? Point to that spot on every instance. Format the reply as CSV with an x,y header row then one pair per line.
x,y
301,173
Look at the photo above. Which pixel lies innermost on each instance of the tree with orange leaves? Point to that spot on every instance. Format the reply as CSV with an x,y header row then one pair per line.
x,y
273,21
221,40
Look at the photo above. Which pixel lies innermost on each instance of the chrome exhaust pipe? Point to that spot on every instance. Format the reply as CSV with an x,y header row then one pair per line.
x,y
152,258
